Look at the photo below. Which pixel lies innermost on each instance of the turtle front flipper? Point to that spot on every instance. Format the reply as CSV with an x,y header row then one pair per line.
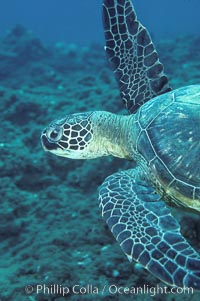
x,y
146,230
133,56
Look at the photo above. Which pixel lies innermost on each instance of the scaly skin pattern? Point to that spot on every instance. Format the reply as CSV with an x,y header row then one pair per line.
x,y
169,141
133,202
132,54
145,229
89,135
144,138
163,139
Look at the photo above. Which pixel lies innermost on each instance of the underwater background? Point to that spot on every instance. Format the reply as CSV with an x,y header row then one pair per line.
x,y
80,21
52,62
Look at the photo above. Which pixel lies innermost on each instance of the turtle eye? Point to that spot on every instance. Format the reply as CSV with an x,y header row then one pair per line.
x,y
54,134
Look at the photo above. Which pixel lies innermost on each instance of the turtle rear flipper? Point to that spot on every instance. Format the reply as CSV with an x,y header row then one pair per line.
x,y
132,54
146,230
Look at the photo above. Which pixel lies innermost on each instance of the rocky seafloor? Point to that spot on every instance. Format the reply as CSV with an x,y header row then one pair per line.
x,y
51,230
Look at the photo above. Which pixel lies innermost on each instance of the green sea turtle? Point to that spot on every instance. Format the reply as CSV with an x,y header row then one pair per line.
x,y
161,135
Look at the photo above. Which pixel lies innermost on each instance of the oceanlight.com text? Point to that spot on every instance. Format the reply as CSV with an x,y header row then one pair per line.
x,y
112,289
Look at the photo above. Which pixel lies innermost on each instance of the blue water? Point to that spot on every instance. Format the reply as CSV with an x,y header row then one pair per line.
x,y
79,21
51,229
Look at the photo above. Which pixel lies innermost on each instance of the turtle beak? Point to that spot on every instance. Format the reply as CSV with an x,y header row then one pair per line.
x,y
46,144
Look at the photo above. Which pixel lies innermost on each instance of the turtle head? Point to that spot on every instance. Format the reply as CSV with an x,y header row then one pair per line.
x,y
71,137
